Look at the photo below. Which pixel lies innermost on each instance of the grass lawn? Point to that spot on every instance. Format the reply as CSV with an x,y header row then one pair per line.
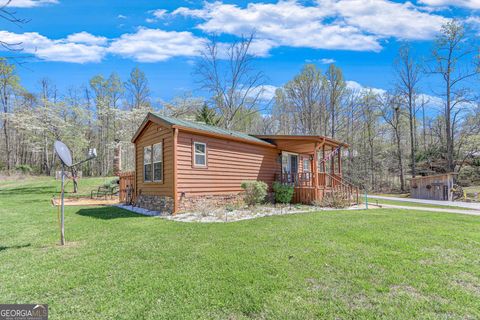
x,y
413,204
472,189
384,263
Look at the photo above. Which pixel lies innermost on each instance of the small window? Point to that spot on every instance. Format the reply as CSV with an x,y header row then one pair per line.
x,y
306,165
157,158
147,163
200,154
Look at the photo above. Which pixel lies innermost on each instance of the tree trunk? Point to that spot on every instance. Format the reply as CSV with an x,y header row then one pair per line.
x,y
5,129
400,162
411,117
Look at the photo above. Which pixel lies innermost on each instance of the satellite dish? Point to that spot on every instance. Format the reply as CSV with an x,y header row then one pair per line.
x,y
63,153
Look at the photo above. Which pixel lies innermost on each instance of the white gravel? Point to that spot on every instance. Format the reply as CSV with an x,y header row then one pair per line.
x,y
223,215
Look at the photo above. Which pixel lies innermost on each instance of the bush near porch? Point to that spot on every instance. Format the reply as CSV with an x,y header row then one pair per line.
x,y
393,264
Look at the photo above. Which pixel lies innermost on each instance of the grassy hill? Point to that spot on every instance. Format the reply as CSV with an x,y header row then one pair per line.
x,y
385,263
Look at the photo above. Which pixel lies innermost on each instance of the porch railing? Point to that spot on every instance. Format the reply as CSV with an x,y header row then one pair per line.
x,y
127,187
303,179
329,182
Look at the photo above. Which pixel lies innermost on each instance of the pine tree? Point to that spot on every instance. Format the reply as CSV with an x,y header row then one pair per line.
x,y
207,115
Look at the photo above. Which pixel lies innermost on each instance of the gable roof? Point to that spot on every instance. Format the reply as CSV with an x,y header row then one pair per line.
x,y
202,128
198,127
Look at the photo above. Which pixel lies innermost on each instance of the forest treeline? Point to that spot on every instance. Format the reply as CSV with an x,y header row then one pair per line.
x,y
393,134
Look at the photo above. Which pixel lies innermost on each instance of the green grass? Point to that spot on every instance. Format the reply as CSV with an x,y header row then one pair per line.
x,y
47,185
413,204
472,189
385,263
396,195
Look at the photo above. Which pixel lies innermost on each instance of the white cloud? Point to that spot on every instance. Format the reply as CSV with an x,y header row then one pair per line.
x,y
474,23
327,61
55,50
357,87
157,15
286,23
160,13
145,45
152,45
422,98
329,24
86,38
470,4
28,3
264,92
121,16
267,92
321,61
386,18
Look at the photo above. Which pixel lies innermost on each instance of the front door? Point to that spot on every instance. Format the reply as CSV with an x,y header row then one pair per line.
x,y
289,166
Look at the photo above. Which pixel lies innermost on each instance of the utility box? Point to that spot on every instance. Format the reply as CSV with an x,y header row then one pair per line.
x,y
434,187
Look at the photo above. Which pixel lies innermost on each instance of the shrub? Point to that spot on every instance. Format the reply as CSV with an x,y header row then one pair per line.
x,y
24,168
335,200
283,192
255,192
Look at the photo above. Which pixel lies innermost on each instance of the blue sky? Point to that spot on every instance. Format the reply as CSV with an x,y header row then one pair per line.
x,y
71,41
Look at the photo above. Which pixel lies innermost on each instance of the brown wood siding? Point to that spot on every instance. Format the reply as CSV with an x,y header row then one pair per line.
x,y
155,133
228,164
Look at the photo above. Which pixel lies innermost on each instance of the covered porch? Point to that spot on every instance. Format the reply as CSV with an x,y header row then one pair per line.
x,y
313,165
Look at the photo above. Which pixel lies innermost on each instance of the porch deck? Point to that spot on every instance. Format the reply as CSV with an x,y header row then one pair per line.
x,y
309,189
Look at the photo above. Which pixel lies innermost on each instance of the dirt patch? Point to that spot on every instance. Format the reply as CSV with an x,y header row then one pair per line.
x,y
354,301
70,244
86,201
405,290
469,282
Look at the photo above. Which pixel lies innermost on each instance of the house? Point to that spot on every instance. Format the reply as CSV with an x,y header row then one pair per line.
x,y
181,165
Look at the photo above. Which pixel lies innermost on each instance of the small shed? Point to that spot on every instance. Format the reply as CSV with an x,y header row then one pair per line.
x,y
434,187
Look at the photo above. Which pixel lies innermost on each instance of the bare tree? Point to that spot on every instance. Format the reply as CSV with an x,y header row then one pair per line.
x,y
455,60
137,89
369,117
391,112
10,16
8,82
336,89
305,94
408,77
228,73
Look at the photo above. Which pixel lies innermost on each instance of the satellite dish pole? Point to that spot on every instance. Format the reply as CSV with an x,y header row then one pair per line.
x,y
66,158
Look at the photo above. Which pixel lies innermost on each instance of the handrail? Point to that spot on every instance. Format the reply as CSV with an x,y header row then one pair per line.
x,y
349,186
339,180
305,180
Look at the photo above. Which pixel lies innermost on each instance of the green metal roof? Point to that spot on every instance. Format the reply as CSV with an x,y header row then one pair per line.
x,y
208,128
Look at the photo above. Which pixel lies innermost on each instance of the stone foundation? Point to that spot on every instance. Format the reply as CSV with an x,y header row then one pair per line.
x,y
163,204
208,202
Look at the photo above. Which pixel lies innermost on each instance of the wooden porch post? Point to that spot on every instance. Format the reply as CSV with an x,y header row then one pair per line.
x,y
315,166
324,167
332,164
340,162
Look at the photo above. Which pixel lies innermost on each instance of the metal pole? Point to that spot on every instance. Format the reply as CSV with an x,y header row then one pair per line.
x,y
366,199
62,218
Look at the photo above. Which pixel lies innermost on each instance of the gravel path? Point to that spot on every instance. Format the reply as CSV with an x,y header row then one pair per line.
x,y
457,211
469,205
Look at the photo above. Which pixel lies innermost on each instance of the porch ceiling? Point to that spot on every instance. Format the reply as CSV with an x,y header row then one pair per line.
x,y
301,144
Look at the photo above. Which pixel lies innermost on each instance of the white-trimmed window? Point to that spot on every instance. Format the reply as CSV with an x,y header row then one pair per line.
x,y
147,163
157,159
306,165
199,154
